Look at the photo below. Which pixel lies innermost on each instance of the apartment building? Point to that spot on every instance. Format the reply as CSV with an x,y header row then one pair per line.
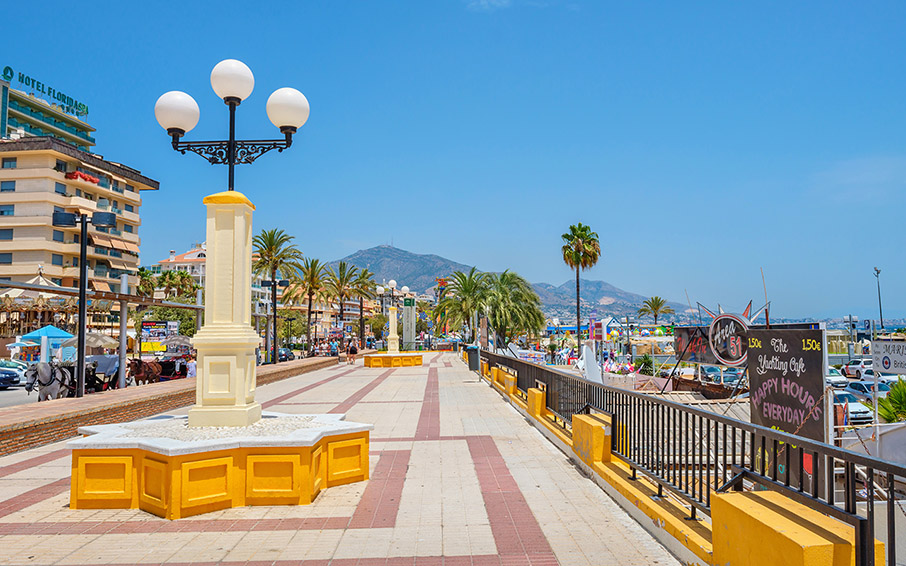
x,y
41,175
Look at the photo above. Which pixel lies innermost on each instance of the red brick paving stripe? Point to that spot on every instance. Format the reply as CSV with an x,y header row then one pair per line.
x,y
32,462
33,496
380,503
466,560
361,393
429,420
515,529
309,387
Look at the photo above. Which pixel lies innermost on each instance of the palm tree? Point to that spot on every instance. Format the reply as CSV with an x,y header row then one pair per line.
x,y
146,283
462,298
581,250
364,289
513,307
893,407
309,282
655,306
341,285
185,284
275,254
168,281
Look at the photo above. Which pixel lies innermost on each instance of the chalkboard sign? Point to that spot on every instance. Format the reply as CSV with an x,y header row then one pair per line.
x,y
786,381
691,344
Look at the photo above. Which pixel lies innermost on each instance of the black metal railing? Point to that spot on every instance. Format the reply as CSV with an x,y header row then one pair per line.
x,y
693,453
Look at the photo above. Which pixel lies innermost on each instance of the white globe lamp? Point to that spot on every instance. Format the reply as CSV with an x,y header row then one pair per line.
x,y
288,109
404,290
232,79
392,283
176,112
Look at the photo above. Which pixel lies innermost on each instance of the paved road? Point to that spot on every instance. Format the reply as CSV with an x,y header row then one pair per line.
x,y
16,396
457,477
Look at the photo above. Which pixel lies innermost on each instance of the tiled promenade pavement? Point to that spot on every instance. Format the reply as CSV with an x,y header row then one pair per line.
x,y
458,478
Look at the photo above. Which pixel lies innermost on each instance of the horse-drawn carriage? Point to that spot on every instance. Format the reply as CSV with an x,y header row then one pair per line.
x,y
143,372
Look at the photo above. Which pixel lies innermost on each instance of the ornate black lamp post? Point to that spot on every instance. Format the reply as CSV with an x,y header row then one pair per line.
x,y
232,80
70,219
880,311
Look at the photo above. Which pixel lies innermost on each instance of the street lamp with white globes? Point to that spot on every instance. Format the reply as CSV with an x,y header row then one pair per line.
x,y
177,112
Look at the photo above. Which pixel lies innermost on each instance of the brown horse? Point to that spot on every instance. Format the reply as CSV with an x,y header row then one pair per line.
x,y
143,372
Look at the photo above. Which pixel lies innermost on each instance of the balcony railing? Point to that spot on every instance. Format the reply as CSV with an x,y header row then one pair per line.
x,y
693,453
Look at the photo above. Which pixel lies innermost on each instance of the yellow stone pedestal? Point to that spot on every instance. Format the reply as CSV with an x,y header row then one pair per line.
x,y
397,360
173,479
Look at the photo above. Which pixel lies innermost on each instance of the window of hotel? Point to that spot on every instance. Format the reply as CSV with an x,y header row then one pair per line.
x,y
58,209
60,189
58,281
60,166
57,235
130,208
130,188
6,259
7,210
78,192
7,186
127,228
75,261
6,278
56,259
6,234
9,162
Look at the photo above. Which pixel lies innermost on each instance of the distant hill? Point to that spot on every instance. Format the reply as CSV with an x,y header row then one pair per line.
x,y
418,271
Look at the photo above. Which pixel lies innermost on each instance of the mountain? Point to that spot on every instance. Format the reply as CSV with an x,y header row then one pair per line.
x,y
418,272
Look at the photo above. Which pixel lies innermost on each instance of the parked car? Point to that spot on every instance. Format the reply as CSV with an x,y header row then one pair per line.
x,y
863,389
855,368
835,378
888,378
710,373
858,413
285,355
17,367
732,375
9,378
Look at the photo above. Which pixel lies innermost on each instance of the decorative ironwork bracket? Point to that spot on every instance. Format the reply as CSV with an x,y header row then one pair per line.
x,y
245,151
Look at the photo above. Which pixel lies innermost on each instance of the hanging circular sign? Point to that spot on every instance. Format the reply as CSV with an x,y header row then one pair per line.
x,y
728,337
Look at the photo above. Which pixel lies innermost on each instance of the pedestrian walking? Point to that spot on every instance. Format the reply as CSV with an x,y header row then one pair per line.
x,y
351,351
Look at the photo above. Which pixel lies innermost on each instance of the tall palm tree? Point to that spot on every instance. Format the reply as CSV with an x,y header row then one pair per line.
x,y
309,283
581,250
463,297
655,306
146,283
185,285
168,281
513,307
275,254
364,289
341,285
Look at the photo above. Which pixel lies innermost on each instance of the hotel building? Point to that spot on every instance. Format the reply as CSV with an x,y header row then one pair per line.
x,y
47,174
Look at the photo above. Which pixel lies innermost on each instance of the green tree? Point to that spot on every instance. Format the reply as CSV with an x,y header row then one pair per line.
x,y
462,298
893,407
146,283
291,328
186,317
185,284
169,282
309,282
655,306
513,307
275,254
364,288
581,250
340,286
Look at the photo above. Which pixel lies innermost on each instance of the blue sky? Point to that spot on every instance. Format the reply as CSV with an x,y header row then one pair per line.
x,y
703,141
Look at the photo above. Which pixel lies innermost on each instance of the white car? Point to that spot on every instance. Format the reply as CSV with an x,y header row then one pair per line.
x,y
855,368
836,379
857,412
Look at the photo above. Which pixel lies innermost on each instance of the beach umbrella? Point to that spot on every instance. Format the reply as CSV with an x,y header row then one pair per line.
x,y
92,340
21,345
176,340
